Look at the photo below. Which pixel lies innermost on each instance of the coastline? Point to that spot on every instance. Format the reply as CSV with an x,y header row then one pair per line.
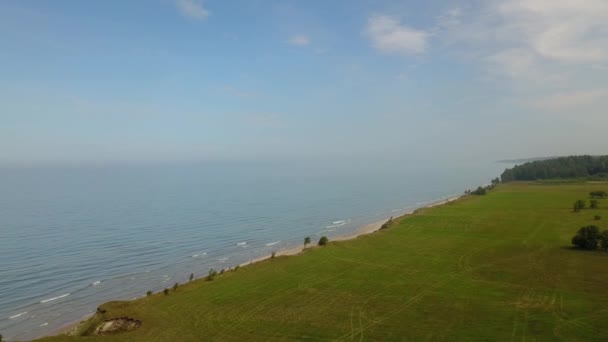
x,y
366,229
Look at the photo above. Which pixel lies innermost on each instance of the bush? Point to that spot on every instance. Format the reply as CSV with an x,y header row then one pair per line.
x,y
191,276
323,241
273,254
306,241
149,293
604,240
166,291
175,286
579,205
211,275
587,238
236,268
387,224
594,204
598,194
597,217
479,192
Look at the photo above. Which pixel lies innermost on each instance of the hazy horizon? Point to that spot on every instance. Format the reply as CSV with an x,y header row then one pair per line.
x,y
187,80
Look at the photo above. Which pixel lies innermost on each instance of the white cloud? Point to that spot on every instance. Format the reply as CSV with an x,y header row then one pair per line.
x,y
192,8
391,37
517,36
568,101
299,40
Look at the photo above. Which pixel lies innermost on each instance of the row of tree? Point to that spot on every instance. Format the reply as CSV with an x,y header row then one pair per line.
x,y
564,167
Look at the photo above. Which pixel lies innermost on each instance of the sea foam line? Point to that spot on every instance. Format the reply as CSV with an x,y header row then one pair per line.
x,y
54,298
272,243
18,315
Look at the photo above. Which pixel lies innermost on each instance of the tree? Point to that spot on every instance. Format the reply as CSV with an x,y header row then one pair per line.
x,y
587,238
273,254
496,181
306,241
597,217
579,205
598,194
175,286
323,241
211,275
149,293
166,292
479,192
604,240
594,204
191,276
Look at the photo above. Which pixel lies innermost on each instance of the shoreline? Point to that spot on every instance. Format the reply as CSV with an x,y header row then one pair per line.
x,y
365,229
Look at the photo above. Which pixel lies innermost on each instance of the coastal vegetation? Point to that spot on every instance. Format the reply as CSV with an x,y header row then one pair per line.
x,y
306,241
323,241
495,267
585,167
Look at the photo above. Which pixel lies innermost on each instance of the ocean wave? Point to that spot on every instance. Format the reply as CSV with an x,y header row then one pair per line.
x,y
339,222
223,259
96,283
272,243
336,224
44,324
241,243
199,255
54,298
17,315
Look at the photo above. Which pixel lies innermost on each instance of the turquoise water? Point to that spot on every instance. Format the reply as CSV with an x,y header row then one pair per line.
x,y
72,238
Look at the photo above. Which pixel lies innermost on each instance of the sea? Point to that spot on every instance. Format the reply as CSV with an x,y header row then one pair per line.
x,y
73,237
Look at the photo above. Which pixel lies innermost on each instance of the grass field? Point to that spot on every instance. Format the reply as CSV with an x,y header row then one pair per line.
x,y
496,268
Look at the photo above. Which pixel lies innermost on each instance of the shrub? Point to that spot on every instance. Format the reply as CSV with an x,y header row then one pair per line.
x,y
597,217
579,205
479,192
222,271
191,276
323,241
306,241
149,293
604,240
175,286
166,291
387,224
237,267
273,254
587,238
594,204
598,194
211,275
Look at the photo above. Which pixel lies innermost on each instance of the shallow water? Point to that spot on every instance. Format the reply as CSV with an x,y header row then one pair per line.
x,y
72,238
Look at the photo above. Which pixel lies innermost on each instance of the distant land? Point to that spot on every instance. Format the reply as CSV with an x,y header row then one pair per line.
x,y
524,160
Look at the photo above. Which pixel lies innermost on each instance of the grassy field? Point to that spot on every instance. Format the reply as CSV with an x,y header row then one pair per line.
x,y
496,268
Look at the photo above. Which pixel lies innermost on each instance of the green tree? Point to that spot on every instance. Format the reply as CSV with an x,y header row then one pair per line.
x,y
598,194
604,240
175,286
579,205
479,192
306,241
273,254
587,238
211,275
191,276
166,292
323,241
594,204
149,293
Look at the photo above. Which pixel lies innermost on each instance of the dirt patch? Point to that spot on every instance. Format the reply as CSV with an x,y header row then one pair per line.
x,y
116,326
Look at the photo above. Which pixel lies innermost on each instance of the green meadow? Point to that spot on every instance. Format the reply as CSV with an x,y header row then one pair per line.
x,y
498,267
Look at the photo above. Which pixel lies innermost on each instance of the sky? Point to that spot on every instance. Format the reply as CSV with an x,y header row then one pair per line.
x,y
189,80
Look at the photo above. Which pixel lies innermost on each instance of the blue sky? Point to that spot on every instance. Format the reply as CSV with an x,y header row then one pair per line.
x,y
159,80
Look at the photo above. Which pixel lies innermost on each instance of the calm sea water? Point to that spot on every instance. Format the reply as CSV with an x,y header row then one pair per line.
x,y
73,238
